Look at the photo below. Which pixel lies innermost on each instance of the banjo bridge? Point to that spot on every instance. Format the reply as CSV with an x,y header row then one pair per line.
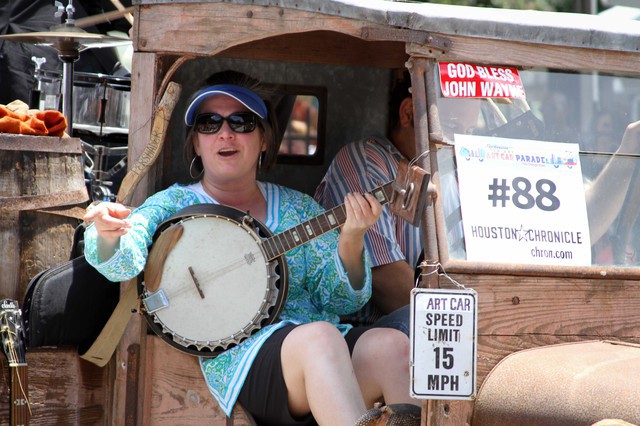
x,y
196,282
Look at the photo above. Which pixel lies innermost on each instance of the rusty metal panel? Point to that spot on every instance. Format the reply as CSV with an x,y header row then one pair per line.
x,y
568,384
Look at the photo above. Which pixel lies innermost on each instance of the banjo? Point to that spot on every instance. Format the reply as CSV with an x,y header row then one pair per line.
x,y
206,304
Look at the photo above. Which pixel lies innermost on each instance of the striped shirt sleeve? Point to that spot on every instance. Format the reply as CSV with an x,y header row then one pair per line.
x,y
361,167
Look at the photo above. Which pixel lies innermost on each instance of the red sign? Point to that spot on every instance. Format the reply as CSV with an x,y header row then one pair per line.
x,y
463,80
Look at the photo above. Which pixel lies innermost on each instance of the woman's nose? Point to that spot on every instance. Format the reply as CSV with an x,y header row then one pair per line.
x,y
225,131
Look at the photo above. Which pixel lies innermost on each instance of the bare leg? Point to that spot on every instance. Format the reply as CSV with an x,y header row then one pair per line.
x,y
381,363
319,375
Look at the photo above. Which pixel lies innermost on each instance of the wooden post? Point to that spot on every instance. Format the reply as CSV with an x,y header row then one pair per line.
x,y
129,390
434,413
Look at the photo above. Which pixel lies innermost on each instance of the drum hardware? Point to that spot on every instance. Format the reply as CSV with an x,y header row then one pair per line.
x,y
101,104
69,41
88,21
46,89
34,101
69,10
98,181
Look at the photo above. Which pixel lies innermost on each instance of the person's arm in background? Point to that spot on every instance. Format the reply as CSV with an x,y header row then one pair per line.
x,y
391,285
606,194
392,274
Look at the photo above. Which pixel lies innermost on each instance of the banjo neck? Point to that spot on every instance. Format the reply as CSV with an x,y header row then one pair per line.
x,y
298,235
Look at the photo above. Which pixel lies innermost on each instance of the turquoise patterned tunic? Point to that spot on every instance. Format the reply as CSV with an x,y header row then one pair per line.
x,y
319,288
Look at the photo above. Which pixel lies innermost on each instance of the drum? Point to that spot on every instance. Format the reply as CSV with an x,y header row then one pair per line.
x,y
100,102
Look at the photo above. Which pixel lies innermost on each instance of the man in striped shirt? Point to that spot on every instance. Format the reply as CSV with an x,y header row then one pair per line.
x,y
393,244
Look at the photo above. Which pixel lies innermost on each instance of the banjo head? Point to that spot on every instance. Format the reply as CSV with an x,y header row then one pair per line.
x,y
217,286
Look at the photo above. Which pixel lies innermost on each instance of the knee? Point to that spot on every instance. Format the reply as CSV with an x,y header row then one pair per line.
x,y
395,342
397,350
388,347
322,338
383,348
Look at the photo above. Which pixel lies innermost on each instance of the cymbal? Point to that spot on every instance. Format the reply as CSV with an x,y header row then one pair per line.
x,y
72,40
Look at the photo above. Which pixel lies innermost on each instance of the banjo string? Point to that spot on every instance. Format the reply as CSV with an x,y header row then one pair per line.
x,y
187,284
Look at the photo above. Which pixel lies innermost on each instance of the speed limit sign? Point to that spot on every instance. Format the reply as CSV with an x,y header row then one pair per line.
x,y
443,343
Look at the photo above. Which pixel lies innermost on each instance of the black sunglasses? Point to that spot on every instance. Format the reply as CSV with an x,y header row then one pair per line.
x,y
240,122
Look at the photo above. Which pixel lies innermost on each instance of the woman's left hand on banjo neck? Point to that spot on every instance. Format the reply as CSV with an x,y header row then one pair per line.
x,y
362,212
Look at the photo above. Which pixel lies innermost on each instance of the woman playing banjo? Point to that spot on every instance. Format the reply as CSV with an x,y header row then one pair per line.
x,y
306,368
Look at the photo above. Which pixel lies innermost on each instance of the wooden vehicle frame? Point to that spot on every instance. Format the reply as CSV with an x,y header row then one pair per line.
x,y
521,306
518,303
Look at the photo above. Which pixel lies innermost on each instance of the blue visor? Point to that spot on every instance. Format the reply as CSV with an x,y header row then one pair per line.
x,y
241,94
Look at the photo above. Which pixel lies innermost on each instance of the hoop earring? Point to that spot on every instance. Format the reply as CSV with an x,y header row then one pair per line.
x,y
260,162
191,169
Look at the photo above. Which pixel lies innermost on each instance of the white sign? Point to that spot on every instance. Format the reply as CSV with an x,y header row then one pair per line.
x,y
444,329
522,201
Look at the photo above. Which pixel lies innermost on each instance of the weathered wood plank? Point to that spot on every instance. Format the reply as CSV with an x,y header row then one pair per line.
x,y
10,265
518,313
16,142
446,413
46,174
532,55
187,27
129,385
179,394
322,47
38,172
130,394
144,74
530,26
63,389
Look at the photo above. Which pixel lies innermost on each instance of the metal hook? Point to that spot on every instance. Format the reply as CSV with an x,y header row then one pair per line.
x,y
407,195
413,161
